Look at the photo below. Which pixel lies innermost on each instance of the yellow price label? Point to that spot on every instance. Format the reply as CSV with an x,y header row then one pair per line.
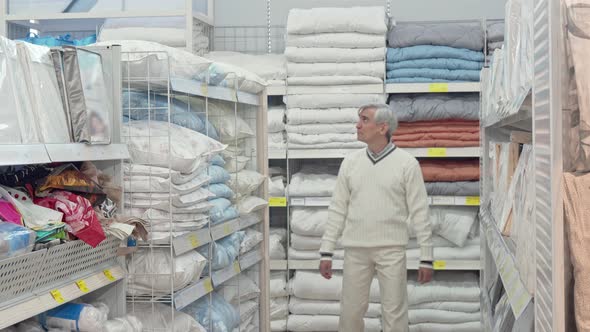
x,y
204,89
194,240
436,152
57,296
82,285
439,265
208,285
226,229
237,267
438,87
277,201
109,275
472,200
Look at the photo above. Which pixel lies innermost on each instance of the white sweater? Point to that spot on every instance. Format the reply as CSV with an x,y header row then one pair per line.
x,y
374,203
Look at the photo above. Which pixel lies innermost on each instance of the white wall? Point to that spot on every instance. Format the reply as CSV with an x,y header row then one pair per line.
x,y
253,12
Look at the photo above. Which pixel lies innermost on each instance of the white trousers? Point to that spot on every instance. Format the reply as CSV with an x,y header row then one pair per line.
x,y
360,266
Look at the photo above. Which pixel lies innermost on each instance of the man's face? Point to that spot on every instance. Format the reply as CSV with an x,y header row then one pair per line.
x,y
367,130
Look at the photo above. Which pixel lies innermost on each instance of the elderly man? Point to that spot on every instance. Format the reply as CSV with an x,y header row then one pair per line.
x,y
379,193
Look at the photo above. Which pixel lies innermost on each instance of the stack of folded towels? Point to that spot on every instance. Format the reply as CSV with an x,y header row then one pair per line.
x,y
495,36
435,52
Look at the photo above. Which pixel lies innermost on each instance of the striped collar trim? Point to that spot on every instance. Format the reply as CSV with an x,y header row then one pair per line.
x,y
376,157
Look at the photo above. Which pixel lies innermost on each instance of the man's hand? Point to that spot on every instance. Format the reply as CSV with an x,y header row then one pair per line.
x,y
424,275
326,269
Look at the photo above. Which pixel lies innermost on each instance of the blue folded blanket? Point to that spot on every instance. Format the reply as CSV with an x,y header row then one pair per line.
x,y
436,63
435,74
431,52
418,80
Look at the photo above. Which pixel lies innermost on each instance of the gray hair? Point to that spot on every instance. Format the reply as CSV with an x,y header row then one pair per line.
x,y
383,114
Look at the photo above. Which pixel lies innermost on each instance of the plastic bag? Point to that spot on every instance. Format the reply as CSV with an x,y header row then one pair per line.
x,y
74,317
220,316
15,240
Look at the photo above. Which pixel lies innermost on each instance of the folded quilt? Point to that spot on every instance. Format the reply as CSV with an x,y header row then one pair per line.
x,y
336,40
276,115
315,101
460,35
442,126
440,253
450,170
331,145
311,323
334,55
460,188
432,309
436,63
373,68
450,286
369,20
495,31
474,326
334,80
420,80
434,107
435,74
432,52
323,128
432,134
309,221
495,45
321,138
300,116
310,184
276,140
437,140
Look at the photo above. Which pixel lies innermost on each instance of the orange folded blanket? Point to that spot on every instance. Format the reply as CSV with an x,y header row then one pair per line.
x,y
450,170
437,134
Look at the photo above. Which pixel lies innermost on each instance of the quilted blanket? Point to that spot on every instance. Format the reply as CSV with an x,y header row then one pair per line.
x,y
316,101
460,35
300,116
369,20
437,134
495,31
436,63
450,170
340,40
435,107
374,68
434,74
432,52
334,55
459,188
334,80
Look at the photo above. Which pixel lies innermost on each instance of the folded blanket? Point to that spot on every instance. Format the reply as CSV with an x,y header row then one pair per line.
x,y
309,184
435,311
338,40
374,69
436,63
435,74
334,55
334,80
332,145
310,323
276,140
434,134
440,253
460,188
301,116
321,138
276,115
495,31
419,80
460,35
316,101
450,170
369,20
448,286
495,45
429,107
321,129
432,52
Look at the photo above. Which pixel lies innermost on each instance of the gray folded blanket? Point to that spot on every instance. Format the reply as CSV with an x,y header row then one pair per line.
x,y
460,188
495,31
430,107
459,35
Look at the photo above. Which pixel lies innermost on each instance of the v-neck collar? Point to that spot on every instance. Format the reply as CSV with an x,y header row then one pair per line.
x,y
377,157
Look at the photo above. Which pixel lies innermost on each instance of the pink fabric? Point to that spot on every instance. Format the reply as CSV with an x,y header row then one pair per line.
x,y
450,133
79,215
9,213
450,170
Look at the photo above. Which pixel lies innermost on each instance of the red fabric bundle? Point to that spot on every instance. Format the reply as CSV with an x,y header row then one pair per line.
x,y
448,133
450,170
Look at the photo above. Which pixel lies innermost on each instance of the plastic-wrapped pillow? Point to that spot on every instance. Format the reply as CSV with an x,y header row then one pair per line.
x,y
247,310
229,125
217,160
222,210
149,144
239,289
251,204
246,181
218,174
145,263
84,316
236,164
251,240
159,317
136,107
278,284
228,214
217,316
224,251
221,190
